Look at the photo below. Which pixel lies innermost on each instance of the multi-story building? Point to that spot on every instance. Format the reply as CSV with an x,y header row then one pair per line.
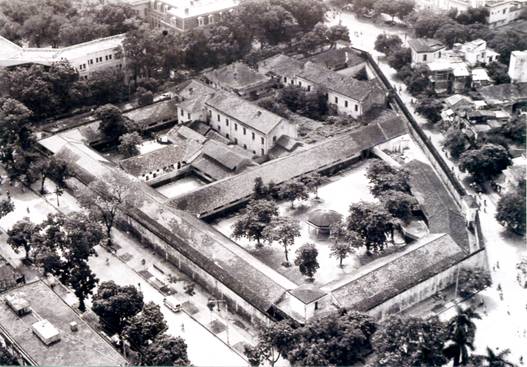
x,y
476,52
518,67
426,50
504,11
86,58
442,5
182,15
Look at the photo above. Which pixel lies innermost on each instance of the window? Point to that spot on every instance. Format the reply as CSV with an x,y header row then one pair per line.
x,y
219,128
292,82
90,61
106,57
309,88
439,55
316,306
356,107
262,151
345,103
227,122
262,140
182,113
337,100
299,84
219,118
424,57
227,136
235,140
235,127
200,21
274,139
244,131
285,79
253,136
188,115
244,146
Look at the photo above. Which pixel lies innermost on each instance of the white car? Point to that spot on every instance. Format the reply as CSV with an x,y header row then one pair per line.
x,y
172,304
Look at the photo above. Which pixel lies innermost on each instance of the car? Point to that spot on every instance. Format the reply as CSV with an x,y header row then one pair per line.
x,y
172,304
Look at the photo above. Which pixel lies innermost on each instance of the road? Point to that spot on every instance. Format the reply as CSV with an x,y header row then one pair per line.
x,y
504,323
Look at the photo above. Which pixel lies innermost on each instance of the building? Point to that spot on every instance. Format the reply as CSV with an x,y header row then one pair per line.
x,y
40,329
503,12
476,52
183,15
518,67
426,50
191,98
281,67
480,78
240,79
247,125
340,58
87,58
444,5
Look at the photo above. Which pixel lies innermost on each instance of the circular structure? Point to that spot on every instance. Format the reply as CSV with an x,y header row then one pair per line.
x,y
322,219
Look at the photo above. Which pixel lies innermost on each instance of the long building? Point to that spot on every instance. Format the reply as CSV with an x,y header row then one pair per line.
x,y
87,58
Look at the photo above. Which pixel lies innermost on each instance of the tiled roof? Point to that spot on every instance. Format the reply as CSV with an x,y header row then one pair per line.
x,y
236,76
160,158
281,65
420,261
337,57
425,44
307,293
345,85
504,93
223,155
183,132
227,191
246,112
440,209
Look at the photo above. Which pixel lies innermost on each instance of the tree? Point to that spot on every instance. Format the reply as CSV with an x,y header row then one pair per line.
x,y
306,13
399,57
430,108
384,177
387,43
143,328
306,260
294,190
498,72
83,281
363,7
116,305
404,8
473,15
21,236
313,181
283,230
461,331
410,341
341,338
54,168
506,41
485,163
493,359
112,124
106,199
257,216
418,80
450,33
119,18
273,341
372,222
6,206
6,358
144,97
128,144
456,142
275,25
344,242
337,33
426,24
511,210
473,280
387,7
399,204
167,351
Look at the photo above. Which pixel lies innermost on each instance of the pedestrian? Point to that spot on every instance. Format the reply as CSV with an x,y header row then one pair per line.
x,y
107,261
27,209
182,327
143,262
484,202
521,359
498,265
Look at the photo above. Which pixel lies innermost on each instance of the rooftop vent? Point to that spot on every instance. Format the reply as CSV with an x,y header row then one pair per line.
x,y
74,326
18,304
46,332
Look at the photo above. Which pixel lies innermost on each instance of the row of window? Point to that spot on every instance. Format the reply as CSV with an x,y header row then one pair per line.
x,y
236,128
346,104
97,60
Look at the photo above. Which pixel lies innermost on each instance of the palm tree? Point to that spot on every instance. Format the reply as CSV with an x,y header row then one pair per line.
x,y
497,360
461,335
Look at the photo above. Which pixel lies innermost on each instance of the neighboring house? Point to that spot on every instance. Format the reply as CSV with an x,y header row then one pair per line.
x,y
183,15
460,5
340,58
240,79
505,96
162,161
281,67
247,124
41,329
518,67
476,52
426,50
480,78
504,11
87,58
192,97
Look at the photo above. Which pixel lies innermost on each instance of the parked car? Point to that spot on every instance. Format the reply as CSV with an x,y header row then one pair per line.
x,y
172,304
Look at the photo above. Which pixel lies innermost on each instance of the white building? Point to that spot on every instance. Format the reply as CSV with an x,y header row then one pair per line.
x,y
445,5
426,50
476,52
86,58
504,11
518,67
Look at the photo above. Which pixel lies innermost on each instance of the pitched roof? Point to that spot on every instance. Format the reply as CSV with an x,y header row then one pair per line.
x,y
440,209
281,65
186,133
337,57
236,76
246,112
343,84
223,155
222,193
504,93
425,45
157,159
307,293
418,262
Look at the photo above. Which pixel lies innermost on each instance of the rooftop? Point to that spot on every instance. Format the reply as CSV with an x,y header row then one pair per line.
x,y
224,192
335,58
425,45
236,76
223,155
194,8
281,65
83,347
345,85
246,112
416,263
504,93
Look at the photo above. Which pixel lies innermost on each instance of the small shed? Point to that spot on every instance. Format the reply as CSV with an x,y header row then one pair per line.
x,y
320,220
